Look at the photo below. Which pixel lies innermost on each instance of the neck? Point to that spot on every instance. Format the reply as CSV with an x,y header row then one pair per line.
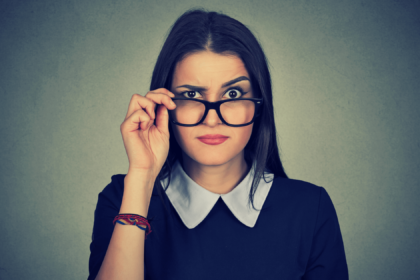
x,y
219,179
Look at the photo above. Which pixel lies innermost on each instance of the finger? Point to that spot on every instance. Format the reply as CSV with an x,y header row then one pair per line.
x,y
163,91
140,102
149,104
161,98
137,120
162,119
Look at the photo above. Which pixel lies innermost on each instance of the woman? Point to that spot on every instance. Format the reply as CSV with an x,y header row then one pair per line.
x,y
204,169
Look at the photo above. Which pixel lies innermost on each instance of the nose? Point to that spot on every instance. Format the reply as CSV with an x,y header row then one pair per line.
x,y
212,119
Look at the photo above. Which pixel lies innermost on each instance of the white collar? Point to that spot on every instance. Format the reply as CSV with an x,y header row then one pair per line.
x,y
193,202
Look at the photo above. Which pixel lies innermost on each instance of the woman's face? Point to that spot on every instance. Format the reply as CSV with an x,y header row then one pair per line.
x,y
210,72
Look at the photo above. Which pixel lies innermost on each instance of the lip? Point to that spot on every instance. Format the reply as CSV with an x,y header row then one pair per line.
x,y
213,139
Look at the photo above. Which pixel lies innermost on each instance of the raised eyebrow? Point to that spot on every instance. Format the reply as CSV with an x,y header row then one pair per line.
x,y
203,89
234,81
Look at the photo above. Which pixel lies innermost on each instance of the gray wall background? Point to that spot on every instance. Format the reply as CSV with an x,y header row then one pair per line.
x,y
346,87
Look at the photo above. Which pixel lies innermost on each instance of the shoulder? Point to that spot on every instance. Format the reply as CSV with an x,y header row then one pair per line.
x,y
114,191
296,188
297,195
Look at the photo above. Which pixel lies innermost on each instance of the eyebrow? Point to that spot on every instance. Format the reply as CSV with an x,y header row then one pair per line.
x,y
234,81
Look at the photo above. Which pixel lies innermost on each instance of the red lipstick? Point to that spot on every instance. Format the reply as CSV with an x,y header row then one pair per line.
x,y
213,139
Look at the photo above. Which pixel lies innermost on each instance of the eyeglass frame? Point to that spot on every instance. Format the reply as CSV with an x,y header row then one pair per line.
x,y
216,106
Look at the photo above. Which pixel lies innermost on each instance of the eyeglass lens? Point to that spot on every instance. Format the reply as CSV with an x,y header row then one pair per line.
x,y
234,112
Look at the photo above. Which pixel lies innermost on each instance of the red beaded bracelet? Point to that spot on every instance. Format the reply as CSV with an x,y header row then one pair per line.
x,y
133,219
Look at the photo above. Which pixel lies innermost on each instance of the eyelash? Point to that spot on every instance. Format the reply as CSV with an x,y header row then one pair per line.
x,y
232,88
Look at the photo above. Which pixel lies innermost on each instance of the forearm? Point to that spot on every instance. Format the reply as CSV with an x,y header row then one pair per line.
x,y
124,258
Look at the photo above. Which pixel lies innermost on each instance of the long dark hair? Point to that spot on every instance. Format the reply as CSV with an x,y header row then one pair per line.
x,y
199,30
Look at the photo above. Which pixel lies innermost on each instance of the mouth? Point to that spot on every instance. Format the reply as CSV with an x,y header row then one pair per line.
x,y
213,139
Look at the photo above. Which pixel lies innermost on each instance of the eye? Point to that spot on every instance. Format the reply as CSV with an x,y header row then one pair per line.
x,y
191,94
234,93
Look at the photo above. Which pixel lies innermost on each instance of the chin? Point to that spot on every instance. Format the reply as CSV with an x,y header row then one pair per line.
x,y
210,161
213,156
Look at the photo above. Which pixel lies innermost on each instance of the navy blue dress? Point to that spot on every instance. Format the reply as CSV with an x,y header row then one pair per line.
x,y
296,236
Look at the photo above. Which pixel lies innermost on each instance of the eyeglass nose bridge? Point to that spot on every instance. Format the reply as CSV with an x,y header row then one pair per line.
x,y
212,106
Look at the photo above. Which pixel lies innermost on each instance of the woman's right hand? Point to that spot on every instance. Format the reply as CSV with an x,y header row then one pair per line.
x,y
147,142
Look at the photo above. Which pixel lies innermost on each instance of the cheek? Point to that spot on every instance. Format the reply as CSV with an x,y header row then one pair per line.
x,y
243,134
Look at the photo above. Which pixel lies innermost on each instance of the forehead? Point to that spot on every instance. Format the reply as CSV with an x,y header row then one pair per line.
x,y
207,68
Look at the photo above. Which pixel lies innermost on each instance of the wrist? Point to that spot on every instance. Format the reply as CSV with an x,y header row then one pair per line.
x,y
141,174
145,173
138,188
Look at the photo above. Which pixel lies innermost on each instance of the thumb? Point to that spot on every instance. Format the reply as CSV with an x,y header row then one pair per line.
x,y
162,119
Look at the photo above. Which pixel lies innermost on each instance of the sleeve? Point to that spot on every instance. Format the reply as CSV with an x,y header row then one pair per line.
x,y
108,206
327,259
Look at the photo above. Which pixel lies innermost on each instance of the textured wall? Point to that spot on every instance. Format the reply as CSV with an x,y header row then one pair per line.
x,y
346,84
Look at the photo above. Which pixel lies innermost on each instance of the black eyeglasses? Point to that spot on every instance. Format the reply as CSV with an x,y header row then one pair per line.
x,y
232,112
